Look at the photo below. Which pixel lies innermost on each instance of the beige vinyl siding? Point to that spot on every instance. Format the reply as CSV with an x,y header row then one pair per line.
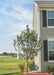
x,y
35,18
37,60
36,28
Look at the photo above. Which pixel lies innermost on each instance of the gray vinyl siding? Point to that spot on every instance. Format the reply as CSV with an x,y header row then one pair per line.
x,y
45,34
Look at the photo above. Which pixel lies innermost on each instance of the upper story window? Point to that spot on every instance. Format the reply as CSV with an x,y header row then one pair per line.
x,y
50,18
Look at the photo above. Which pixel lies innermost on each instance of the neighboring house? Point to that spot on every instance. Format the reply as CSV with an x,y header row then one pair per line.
x,y
19,54
43,24
0,54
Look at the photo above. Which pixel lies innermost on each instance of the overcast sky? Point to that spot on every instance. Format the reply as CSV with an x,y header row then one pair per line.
x,y
14,16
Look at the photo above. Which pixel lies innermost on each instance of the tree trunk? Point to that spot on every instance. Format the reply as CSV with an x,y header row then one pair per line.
x,y
31,58
27,66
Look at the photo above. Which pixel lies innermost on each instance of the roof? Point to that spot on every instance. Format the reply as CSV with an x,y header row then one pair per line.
x,y
45,3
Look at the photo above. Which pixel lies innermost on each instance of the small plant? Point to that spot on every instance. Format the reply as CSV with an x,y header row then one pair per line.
x,y
49,68
52,73
30,65
22,66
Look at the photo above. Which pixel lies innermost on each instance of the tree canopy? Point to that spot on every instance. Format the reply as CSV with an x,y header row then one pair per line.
x,y
28,42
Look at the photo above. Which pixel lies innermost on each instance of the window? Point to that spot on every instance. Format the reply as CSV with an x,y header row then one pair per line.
x,y
51,50
50,17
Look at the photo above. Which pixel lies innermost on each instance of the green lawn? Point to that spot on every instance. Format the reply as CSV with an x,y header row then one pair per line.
x,y
10,62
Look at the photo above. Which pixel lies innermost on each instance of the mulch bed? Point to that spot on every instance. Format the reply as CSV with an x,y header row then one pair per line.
x,y
39,73
10,69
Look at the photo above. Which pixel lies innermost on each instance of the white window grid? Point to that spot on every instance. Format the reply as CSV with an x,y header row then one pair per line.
x,y
49,18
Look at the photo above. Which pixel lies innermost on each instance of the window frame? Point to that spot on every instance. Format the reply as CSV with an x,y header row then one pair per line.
x,y
47,19
49,51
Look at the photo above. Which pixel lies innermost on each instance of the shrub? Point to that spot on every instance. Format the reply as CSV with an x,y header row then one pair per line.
x,y
52,69
49,68
30,65
52,73
22,66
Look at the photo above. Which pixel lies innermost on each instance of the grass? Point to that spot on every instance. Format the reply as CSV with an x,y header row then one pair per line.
x,y
10,72
10,62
